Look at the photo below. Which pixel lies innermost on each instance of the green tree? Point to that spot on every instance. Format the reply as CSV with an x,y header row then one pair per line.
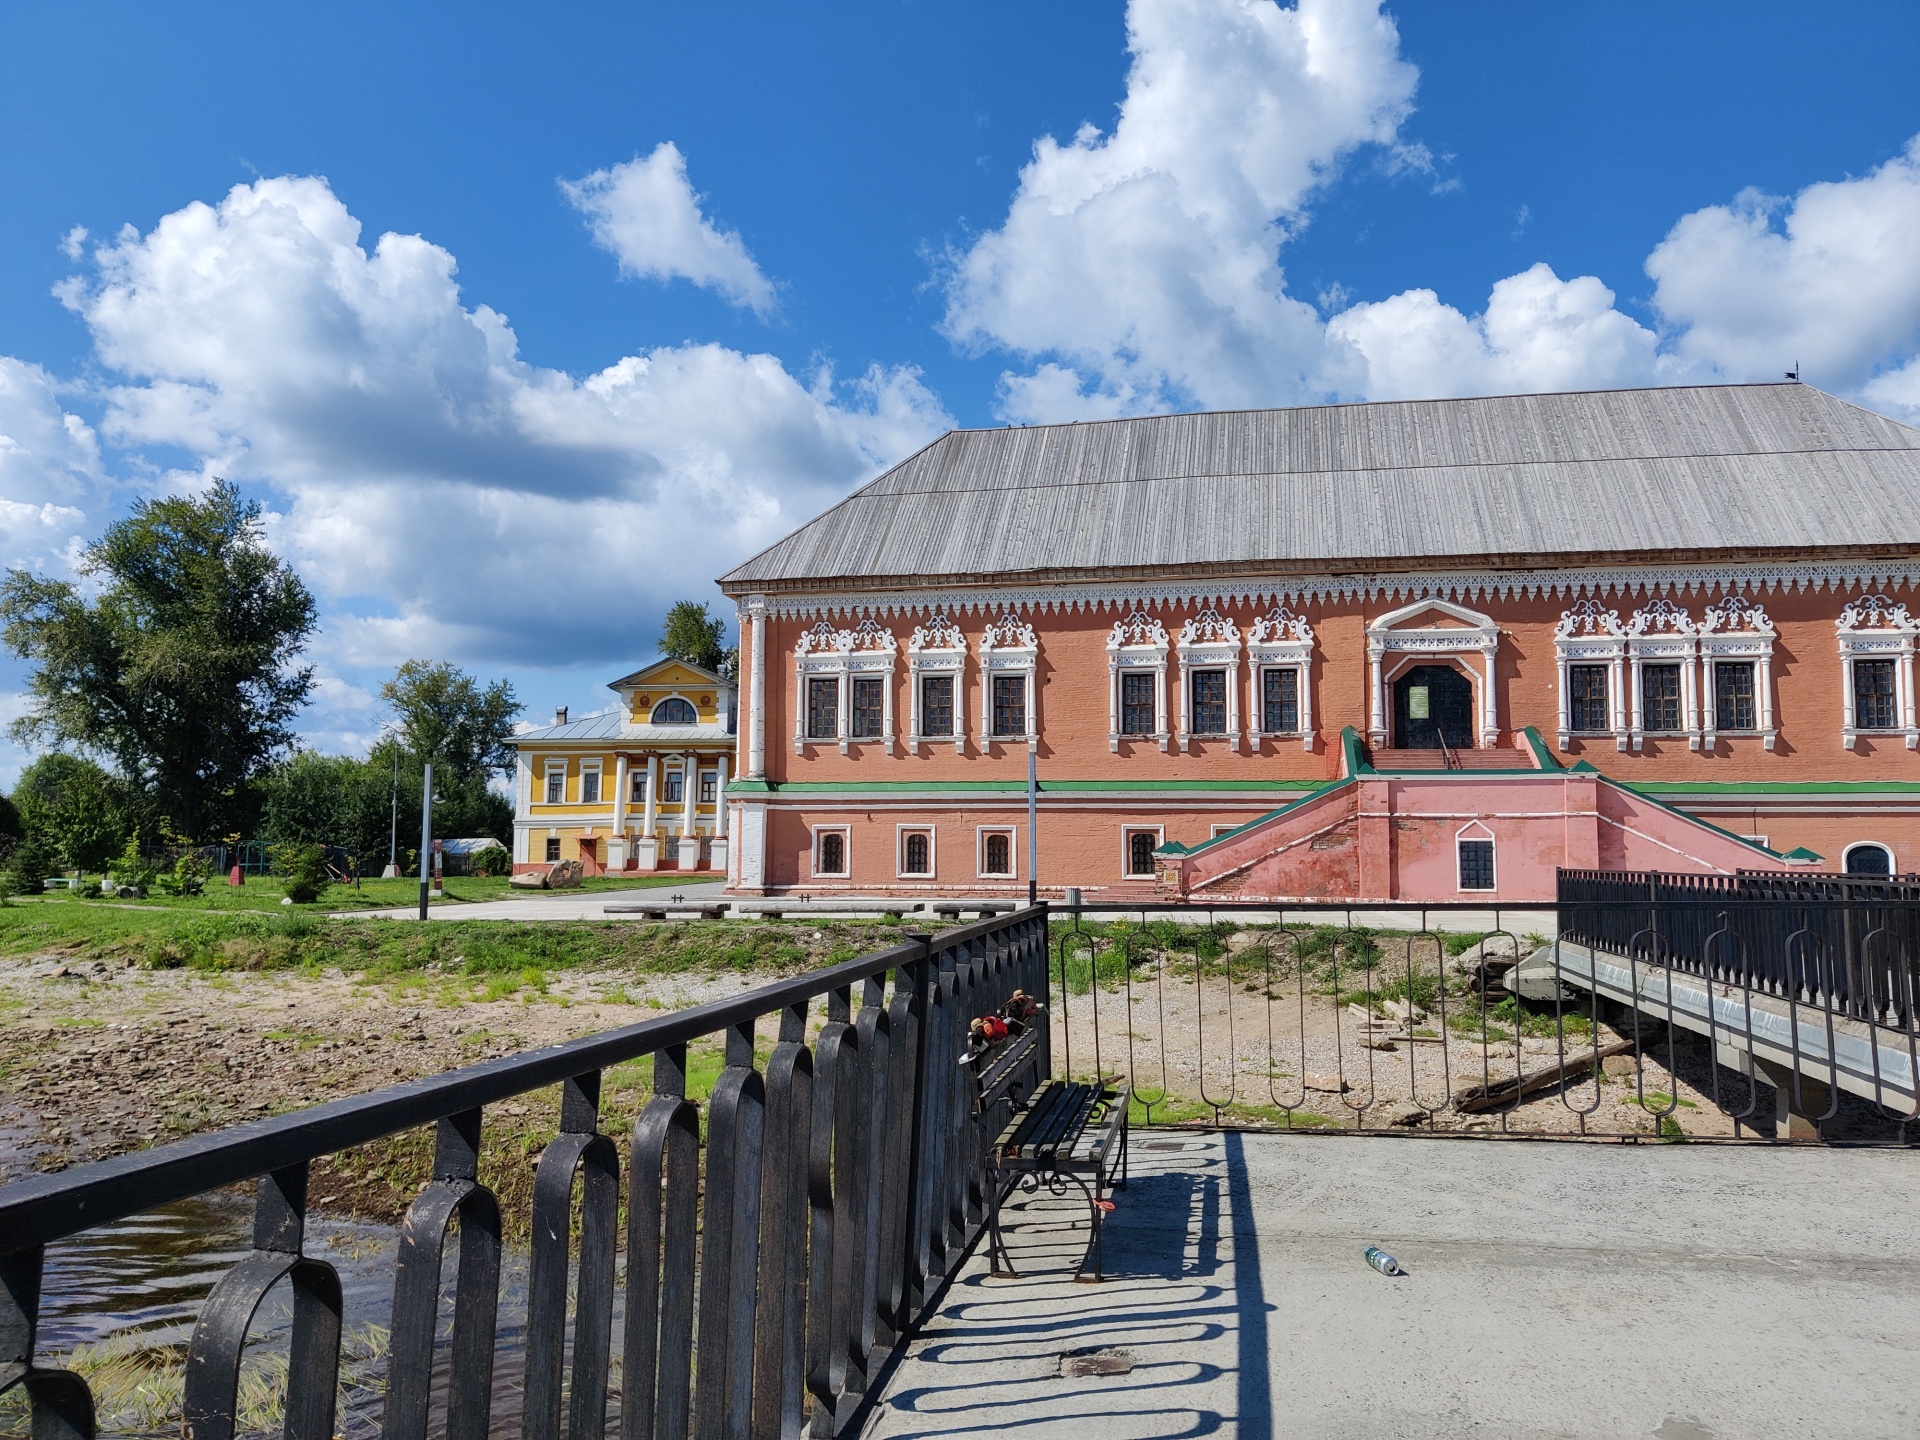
x,y
182,667
442,715
77,811
692,635
305,798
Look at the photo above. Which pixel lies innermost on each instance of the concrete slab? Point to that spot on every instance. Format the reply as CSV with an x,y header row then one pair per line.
x,y
548,904
1565,1290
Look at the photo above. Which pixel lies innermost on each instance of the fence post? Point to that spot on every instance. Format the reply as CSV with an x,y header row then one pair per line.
x,y
913,1288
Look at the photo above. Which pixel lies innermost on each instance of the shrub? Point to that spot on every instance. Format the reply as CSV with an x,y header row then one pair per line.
x,y
130,867
302,869
28,866
494,860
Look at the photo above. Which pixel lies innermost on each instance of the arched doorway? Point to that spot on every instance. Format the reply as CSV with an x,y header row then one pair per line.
x,y
1430,701
1869,862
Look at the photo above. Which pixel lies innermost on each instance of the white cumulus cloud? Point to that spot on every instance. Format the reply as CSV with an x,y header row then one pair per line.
x,y
441,493
645,212
1829,279
50,472
1143,263
1538,332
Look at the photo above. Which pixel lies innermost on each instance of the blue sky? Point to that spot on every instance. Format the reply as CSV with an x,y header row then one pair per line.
x,y
585,373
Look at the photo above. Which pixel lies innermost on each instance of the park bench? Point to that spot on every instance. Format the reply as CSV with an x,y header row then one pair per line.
x,y
1047,1132
779,909
985,909
668,912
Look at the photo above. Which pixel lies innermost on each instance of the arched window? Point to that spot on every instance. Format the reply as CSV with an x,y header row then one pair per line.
x,y
918,860
999,854
1869,861
675,712
833,853
1140,853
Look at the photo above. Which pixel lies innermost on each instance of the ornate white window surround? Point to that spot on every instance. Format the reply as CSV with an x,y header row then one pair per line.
x,y
1281,640
1661,633
936,648
1137,644
867,652
1009,647
1738,629
1875,627
1477,635
1591,634
1209,641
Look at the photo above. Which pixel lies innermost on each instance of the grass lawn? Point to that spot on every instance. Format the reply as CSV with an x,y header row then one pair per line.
x,y
272,937
264,892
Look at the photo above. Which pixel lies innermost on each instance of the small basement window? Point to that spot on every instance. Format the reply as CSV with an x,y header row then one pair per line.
x,y
1476,864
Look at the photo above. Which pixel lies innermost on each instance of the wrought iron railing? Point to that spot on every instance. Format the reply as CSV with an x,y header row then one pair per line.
x,y
1409,1018
1848,945
781,1240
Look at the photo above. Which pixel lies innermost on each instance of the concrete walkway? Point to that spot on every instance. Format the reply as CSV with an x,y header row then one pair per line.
x,y
1685,1292
548,904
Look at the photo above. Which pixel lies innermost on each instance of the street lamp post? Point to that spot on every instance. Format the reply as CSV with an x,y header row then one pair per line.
x,y
426,835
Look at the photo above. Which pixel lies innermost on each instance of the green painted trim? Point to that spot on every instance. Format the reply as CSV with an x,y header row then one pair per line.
x,y
1689,815
1543,758
1778,787
1584,767
756,786
1354,754
1175,848
1019,787
1800,852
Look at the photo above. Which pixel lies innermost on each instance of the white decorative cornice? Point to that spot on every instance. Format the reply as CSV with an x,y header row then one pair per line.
x,y
823,639
871,637
1588,620
1280,626
1875,612
1736,615
1139,628
939,633
1009,632
1209,627
1661,617
1478,586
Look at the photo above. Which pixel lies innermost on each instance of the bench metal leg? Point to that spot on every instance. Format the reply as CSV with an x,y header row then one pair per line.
x,y
999,1263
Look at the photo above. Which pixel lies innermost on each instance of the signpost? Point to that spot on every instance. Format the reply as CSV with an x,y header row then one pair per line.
x,y
427,857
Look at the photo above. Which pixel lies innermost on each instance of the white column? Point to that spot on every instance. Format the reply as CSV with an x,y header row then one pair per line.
x,y
689,793
1113,704
1490,712
757,689
1233,704
1763,681
1905,673
650,820
1377,731
620,795
720,799
1565,726
1186,707
1617,675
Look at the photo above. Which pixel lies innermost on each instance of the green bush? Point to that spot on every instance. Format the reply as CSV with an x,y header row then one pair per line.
x,y
28,866
302,869
130,867
493,861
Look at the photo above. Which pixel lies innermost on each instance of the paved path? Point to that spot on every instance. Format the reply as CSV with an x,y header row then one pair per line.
x,y
549,904
1685,1292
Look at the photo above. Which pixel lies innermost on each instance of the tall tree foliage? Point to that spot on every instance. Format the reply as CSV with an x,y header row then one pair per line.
x,y
78,811
182,669
691,634
443,715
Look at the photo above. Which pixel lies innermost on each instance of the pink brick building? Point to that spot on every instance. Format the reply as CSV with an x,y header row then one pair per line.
x,y
1423,650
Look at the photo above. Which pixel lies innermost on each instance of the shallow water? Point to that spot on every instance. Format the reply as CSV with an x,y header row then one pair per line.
x,y
135,1288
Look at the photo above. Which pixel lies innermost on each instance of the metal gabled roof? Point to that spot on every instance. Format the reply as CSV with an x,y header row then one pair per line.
x,y
1514,479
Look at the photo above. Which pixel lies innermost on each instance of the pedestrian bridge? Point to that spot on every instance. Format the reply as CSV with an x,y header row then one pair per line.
x,y
785,1240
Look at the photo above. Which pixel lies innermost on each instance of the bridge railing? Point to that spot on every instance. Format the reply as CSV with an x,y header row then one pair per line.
x,y
1845,944
781,1238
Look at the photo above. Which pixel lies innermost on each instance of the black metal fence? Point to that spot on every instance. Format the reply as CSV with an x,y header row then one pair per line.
x,y
1443,1018
1848,945
780,1240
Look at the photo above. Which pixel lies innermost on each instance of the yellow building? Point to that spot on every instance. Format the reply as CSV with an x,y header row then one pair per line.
x,y
637,788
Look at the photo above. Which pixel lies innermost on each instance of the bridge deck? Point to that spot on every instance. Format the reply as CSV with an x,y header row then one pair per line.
x,y
1555,1290
1874,1062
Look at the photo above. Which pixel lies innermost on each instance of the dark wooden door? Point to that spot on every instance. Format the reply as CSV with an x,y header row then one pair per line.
x,y
1448,697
